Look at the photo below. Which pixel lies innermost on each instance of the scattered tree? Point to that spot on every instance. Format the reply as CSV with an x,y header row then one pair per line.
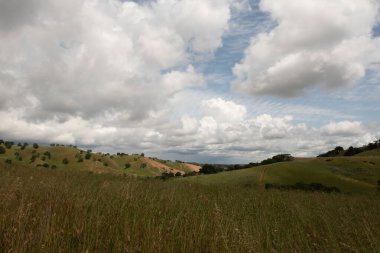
x,y
47,154
8,144
2,150
35,145
65,161
210,169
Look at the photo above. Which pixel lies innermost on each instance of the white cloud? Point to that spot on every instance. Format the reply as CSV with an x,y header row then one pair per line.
x,y
344,128
91,58
317,43
112,74
208,134
222,110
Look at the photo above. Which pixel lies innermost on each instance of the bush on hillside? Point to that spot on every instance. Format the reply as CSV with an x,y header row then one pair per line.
x,y
65,161
352,151
313,187
47,154
210,169
35,145
8,144
166,175
2,150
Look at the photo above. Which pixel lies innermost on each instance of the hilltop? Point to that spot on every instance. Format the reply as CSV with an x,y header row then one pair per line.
x,y
70,157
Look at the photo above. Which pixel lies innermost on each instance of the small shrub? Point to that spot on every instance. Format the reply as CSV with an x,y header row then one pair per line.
x,y
65,161
166,175
105,164
47,154
80,160
33,158
8,144
143,165
35,145
87,156
127,165
8,161
2,150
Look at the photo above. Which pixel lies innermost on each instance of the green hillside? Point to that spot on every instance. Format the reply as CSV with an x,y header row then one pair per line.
x,y
349,174
358,173
52,206
59,157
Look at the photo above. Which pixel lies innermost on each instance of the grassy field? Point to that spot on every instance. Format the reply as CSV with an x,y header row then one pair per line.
x,y
76,211
96,205
350,174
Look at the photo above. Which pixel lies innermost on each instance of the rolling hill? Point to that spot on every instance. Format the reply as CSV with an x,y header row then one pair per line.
x,y
358,173
350,174
69,157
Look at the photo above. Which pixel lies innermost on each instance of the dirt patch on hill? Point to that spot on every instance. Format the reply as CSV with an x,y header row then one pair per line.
x,y
193,167
162,167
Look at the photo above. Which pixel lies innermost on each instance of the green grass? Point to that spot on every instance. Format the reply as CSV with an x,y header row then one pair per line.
x,y
349,174
75,211
98,163
93,207
374,152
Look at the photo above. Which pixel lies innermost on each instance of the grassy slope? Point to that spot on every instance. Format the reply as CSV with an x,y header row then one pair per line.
x,y
73,211
349,174
98,163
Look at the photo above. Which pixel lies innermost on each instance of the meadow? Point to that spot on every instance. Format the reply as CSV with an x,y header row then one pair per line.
x,y
44,210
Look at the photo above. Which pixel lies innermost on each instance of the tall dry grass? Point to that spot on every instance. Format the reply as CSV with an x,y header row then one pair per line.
x,y
58,211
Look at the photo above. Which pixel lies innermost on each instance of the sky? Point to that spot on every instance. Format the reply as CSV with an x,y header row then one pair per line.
x,y
217,81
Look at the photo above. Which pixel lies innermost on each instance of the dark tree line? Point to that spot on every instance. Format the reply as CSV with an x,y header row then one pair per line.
x,y
339,151
216,168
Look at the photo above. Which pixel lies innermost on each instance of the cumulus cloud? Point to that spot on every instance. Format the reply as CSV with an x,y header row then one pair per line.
x,y
113,75
316,43
223,130
223,110
344,128
89,58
